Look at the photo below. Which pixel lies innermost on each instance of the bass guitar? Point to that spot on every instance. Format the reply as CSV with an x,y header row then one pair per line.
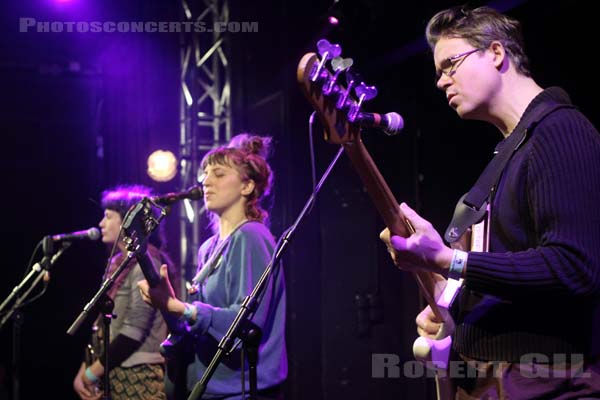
x,y
138,224
338,108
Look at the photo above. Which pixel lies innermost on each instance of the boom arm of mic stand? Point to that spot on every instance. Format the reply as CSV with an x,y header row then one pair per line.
x,y
37,268
250,303
106,285
107,306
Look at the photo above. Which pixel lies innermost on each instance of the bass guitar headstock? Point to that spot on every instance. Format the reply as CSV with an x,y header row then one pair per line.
x,y
337,105
138,224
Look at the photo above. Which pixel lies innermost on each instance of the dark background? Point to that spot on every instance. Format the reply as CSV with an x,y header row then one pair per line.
x,y
81,112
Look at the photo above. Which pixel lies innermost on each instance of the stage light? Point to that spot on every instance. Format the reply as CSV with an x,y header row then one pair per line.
x,y
63,3
334,13
162,165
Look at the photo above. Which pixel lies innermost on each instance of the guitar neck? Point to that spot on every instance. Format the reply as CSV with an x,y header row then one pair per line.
x,y
380,193
153,277
388,209
311,76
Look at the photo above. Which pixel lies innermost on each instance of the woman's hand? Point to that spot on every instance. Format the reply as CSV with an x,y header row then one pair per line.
x,y
163,295
83,387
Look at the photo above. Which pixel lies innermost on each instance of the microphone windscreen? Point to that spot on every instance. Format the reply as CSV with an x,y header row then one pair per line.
x,y
93,234
395,123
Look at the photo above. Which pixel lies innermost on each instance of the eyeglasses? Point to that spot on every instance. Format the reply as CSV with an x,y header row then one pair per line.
x,y
451,64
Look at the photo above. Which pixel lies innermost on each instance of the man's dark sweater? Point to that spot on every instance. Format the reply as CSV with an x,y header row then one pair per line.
x,y
537,288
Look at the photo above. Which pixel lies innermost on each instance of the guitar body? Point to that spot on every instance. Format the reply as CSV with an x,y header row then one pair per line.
x,y
435,353
179,353
92,353
177,347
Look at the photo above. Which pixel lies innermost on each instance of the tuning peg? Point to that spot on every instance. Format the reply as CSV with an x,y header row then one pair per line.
x,y
342,101
338,64
317,73
326,51
351,78
364,93
353,112
341,64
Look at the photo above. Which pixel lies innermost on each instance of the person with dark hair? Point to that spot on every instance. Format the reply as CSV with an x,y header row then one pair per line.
x,y
526,312
238,178
135,364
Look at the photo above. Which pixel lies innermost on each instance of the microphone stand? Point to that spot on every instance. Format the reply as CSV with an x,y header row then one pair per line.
x,y
137,232
241,327
106,308
16,356
40,269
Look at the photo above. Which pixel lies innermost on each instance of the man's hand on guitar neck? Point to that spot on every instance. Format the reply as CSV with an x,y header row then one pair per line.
x,y
424,250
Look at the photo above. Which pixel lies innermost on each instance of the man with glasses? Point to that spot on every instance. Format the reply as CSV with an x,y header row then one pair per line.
x,y
526,312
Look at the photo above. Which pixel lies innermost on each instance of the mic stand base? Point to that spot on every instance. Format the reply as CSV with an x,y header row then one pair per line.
x,y
16,356
106,309
251,336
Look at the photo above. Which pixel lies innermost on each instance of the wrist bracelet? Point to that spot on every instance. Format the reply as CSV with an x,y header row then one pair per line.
x,y
457,265
90,375
188,312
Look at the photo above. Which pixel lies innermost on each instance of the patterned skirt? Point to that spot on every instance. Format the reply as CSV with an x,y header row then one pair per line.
x,y
140,382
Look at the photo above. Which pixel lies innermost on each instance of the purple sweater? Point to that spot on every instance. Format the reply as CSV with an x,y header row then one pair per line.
x,y
245,256
537,289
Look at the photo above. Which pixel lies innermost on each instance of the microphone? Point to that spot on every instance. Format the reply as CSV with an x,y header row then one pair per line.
x,y
392,123
192,193
91,234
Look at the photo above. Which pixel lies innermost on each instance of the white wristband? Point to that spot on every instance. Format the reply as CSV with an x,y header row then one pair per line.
x,y
457,265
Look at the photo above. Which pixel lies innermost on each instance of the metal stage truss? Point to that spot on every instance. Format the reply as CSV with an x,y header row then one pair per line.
x,y
205,110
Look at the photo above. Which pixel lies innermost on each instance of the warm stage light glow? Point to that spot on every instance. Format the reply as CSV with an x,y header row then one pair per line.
x,y
162,166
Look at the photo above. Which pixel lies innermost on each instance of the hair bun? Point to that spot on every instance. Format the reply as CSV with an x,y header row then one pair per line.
x,y
252,144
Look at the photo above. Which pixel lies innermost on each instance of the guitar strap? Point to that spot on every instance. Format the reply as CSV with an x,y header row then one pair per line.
x,y
472,206
215,257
